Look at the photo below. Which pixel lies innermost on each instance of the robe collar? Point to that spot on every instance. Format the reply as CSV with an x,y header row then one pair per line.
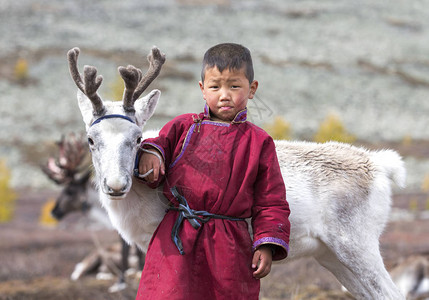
x,y
240,117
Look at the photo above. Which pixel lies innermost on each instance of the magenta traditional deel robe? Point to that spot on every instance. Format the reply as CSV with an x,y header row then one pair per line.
x,y
228,169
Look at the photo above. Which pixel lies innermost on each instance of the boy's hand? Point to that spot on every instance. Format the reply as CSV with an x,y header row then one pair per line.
x,y
262,260
150,161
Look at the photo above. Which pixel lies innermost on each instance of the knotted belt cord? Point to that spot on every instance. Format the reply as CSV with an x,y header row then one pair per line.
x,y
193,216
185,212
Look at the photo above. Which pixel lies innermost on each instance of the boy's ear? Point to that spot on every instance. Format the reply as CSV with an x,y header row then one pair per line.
x,y
202,89
253,88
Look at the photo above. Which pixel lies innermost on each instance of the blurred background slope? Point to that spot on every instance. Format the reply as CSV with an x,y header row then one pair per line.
x,y
354,70
365,61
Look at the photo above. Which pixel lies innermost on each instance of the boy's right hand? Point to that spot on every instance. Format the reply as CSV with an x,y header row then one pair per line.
x,y
150,161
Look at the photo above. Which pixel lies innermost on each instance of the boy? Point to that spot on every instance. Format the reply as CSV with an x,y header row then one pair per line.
x,y
217,169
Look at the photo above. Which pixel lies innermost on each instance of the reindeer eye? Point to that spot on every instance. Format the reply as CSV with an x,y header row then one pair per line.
x,y
139,140
90,141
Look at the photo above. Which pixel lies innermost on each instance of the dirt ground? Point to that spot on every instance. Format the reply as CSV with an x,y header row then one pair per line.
x,y
36,261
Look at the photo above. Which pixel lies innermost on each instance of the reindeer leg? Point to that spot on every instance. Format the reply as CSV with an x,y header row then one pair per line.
x,y
329,260
89,264
125,253
142,256
121,284
360,255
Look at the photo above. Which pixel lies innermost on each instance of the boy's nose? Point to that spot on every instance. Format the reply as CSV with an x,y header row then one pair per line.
x,y
224,95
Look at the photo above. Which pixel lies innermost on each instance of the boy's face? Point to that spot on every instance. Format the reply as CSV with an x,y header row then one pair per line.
x,y
226,93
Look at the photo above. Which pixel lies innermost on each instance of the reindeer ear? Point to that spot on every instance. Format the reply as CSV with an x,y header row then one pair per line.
x,y
86,108
145,107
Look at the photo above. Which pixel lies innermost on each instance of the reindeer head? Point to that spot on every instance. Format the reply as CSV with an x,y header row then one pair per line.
x,y
72,169
114,129
73,197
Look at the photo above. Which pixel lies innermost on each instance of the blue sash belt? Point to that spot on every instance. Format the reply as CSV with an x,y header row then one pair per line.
x,y
194,217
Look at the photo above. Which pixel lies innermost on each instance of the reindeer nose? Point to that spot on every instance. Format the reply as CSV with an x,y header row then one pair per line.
x,y
57,213
115,187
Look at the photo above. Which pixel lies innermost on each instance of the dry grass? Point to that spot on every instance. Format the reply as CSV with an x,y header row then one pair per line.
x,y
37,261
50,288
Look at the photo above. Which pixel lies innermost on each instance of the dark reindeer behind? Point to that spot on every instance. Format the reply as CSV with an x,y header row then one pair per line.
x,y
72,169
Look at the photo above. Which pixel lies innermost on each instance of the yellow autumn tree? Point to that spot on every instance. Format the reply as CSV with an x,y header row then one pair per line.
x,y
117,89
332,129
425,189
279,129
21,70
45,217
7,195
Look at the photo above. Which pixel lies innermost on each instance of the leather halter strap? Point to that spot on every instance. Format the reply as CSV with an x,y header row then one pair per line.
x,y
112,117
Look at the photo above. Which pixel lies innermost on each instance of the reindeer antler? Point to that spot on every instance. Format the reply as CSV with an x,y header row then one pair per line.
x,y
73,151
135,83
131,76
90,83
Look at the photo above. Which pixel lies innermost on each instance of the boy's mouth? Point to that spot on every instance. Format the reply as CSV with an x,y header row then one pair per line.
x,y
225,108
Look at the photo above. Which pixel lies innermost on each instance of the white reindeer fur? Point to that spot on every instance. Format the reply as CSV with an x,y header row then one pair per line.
x,y
339,195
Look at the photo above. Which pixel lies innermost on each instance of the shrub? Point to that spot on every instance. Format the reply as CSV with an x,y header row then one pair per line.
x,y
425,184
45,217
7,195
407,140
21,70
413,205
279,129
117,89
425,189
332,129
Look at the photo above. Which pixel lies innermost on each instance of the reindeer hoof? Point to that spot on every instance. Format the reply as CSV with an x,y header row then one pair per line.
x,y
117,287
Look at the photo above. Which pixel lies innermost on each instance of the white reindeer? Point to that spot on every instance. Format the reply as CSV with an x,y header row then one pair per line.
x,y
339,195
72,169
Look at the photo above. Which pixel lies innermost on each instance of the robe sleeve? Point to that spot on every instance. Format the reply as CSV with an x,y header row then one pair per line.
x,y
166,143
270,211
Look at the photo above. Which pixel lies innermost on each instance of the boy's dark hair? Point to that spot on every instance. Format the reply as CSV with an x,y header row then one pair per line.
x,y
228,55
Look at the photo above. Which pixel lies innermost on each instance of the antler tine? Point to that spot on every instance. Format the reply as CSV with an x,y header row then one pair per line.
x,y
71,154
55,172
72,56
156,60
131,76
56,169
90,83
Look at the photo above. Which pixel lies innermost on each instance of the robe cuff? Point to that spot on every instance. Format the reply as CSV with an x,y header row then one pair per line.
x,y
281,248
157,147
